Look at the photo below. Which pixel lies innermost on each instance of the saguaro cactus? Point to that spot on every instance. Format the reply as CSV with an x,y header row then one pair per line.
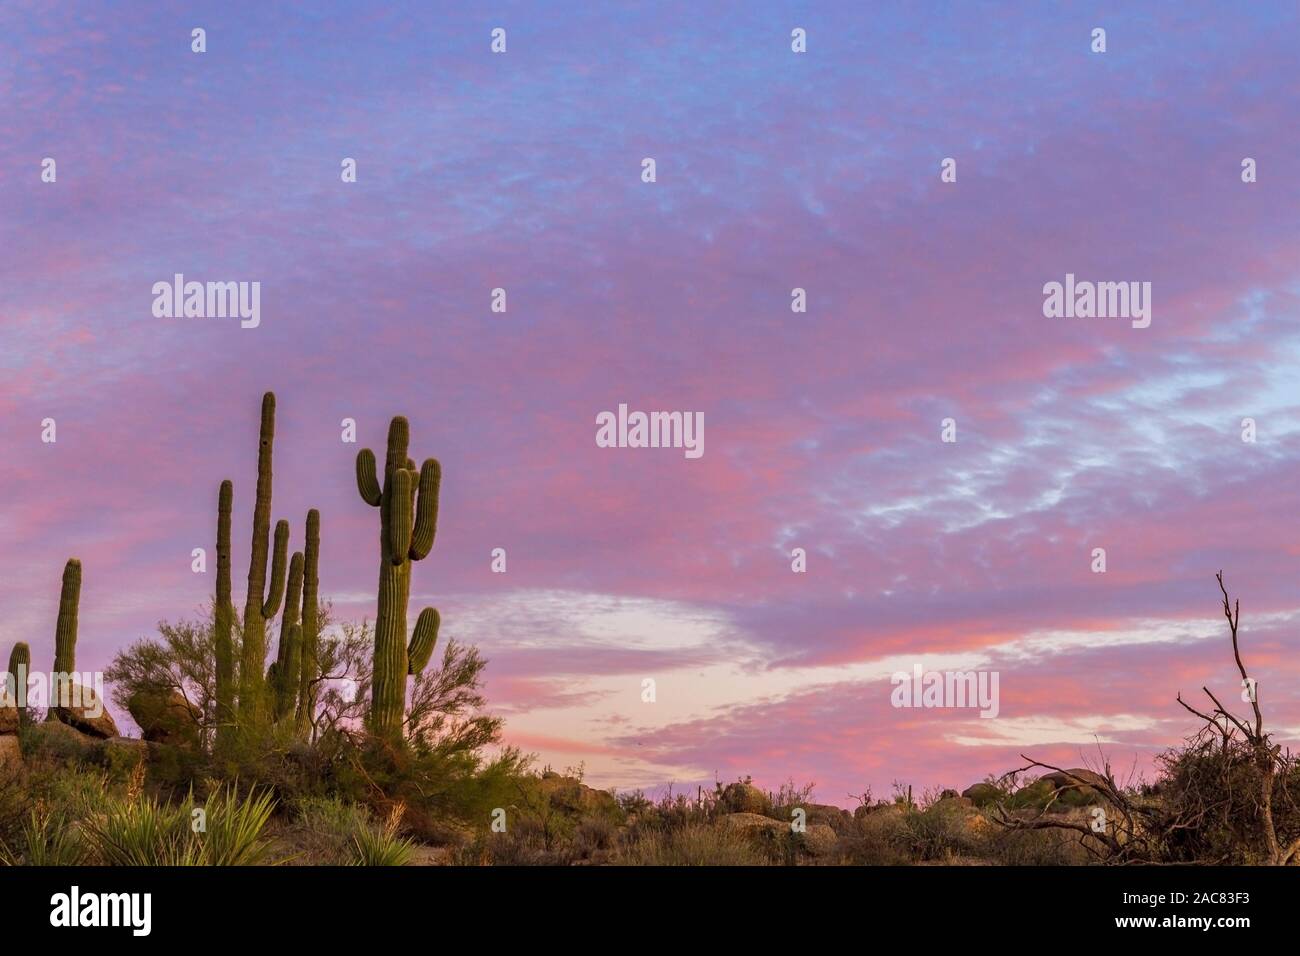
x,y
20,665
283,675
258,609
310,622
224,613
65,630
408,518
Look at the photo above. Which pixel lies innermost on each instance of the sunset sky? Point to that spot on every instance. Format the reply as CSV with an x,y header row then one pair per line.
x,y
775,170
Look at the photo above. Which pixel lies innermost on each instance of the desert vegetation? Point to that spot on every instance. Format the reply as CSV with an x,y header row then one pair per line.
x,y
364,744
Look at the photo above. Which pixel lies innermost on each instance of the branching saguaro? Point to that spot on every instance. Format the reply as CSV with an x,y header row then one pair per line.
x,y
408,509
262,603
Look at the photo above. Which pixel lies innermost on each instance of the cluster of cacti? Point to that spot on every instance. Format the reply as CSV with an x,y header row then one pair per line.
x,y
292,674
282,675
284,691
408,509
254,705
408,504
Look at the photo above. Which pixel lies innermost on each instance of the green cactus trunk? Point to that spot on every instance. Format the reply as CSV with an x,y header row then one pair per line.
x,y
407,525
20,665
310,623
289,659
254,706
65,635
224,614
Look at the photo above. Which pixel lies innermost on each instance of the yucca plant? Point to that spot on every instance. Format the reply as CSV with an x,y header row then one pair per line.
x,y
381,846
145,832
234,828
48,839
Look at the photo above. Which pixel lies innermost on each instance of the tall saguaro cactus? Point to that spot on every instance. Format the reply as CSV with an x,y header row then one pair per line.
x,y
408,518
65,630
310,620
283,675
260,607
65,638
224,613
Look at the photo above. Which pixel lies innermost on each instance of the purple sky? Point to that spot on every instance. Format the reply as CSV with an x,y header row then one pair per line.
x,y
775,170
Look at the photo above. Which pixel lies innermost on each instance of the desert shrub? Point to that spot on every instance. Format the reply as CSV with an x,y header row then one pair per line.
x,y
695,844
180,658
1210,793
945,829
594,834
60,743
1036,848
525,842
339,833
787,798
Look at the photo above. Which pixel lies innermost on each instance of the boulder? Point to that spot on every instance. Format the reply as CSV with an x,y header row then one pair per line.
x,y
956,801
752,823
572,795
880,810
1076,778
982,794
771,837
837,818
165,718
743,797
819,840
83,710
8,720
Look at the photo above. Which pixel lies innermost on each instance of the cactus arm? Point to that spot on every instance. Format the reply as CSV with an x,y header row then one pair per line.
x,y
399,437
399,516
276,593
422,641
426,517
367,483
